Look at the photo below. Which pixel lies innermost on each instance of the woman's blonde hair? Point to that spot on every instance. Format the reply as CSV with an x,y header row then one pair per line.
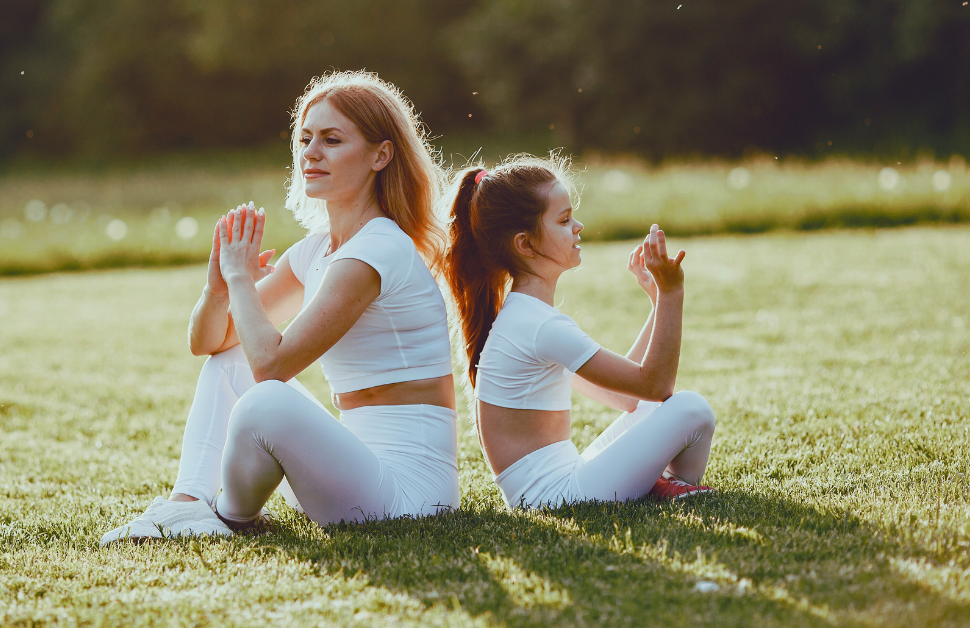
x,y
408,188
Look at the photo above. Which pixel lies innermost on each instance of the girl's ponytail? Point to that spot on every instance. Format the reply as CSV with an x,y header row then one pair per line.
x,y
476,285
490,208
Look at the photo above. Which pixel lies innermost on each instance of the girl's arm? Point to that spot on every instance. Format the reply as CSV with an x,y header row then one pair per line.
x,y
348,287
612,399
653,377
211,328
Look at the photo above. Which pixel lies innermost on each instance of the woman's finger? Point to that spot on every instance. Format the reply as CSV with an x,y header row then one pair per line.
x,y
215,238
266,256
680,257
223,233
260,226
662,245
237,225
248,225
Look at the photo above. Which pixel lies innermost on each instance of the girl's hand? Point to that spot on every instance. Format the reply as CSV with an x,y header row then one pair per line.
x,y
667,273
644,278
240,234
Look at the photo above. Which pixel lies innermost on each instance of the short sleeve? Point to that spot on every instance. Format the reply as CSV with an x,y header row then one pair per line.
x,y
302,253
560,340
386,254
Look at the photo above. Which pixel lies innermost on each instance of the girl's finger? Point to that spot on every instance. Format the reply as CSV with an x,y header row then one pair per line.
x,y
661,245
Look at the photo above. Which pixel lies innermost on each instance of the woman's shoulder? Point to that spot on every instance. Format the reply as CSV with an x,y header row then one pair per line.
x,y
304,252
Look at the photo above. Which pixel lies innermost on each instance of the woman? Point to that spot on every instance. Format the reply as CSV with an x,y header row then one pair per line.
x,y
366,306
516,225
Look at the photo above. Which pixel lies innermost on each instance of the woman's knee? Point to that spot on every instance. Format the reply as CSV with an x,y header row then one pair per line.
x,y
695,406
225,359
256,405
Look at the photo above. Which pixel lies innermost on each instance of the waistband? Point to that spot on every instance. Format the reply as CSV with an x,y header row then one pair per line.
x,y
417,429
540,477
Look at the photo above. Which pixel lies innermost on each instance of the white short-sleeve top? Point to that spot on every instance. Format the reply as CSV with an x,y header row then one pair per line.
x,y
530,355
403,334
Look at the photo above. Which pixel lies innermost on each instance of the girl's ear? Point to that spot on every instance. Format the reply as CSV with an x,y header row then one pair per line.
x,y
523,245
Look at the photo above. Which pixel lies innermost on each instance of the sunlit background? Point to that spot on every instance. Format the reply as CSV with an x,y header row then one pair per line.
x,y
127,127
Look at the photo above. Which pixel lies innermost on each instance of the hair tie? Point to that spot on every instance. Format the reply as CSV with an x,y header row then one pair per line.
x,y
481,175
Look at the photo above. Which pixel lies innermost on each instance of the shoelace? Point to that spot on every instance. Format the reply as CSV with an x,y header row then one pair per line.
x,y
677,482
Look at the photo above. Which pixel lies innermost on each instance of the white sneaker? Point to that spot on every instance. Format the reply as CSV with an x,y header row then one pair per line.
x,y
165,520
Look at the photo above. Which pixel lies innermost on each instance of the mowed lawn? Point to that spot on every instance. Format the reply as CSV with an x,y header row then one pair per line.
x,y
836,363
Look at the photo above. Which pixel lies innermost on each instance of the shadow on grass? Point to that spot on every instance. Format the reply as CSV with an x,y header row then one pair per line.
x,y
774,561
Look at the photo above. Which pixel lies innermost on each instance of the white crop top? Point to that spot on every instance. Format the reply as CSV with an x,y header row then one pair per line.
x,y
530,355
403,334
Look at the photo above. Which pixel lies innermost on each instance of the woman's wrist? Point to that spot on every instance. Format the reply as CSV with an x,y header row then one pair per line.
x,y
215,295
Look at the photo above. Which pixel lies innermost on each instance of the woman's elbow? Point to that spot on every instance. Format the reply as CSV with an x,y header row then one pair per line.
x,y
265,370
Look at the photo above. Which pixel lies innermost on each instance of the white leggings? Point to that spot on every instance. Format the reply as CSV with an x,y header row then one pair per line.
x,y
623,462
380,461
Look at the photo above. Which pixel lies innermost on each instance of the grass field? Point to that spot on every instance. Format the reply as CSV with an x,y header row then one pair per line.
x,y
158,213
836,363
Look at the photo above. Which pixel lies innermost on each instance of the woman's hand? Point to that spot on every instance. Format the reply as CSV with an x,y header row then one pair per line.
x,y
644,278
666,272
239,235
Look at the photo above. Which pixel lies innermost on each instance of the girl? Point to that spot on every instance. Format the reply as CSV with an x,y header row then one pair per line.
x,y
516,225
366,305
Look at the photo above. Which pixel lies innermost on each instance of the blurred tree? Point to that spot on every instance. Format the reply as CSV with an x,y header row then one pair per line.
x,y
719,77
116,77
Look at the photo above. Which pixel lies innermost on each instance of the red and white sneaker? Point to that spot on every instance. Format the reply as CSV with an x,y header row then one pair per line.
x,y
676,489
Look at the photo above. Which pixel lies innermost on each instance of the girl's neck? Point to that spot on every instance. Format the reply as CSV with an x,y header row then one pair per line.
x,y
347,219
537,286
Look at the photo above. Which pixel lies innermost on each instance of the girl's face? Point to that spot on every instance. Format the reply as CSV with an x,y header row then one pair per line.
x,y
560,229
336,161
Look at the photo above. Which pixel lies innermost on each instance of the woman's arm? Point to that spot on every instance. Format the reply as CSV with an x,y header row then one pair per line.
x,y
348,287
653,377
211,328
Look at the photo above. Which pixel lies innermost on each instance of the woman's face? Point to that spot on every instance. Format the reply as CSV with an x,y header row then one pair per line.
x,y
336,161
560,230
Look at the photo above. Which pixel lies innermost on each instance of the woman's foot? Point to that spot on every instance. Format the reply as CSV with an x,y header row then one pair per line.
x,y
673,488
166,519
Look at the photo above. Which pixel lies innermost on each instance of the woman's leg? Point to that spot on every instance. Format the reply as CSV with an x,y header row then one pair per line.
x,y
225,377
223,380
276,430
674,436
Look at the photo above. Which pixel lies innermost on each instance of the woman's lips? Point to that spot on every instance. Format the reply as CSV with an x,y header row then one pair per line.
x,y
314,174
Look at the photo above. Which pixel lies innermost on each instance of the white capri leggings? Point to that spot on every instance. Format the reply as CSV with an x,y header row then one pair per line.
x,y
623,462
379,461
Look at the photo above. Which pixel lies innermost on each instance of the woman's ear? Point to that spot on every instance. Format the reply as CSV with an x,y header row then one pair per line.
x,y
523,245
383,155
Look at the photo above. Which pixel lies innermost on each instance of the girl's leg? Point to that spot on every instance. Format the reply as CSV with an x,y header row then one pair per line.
x,y
675,436
276,430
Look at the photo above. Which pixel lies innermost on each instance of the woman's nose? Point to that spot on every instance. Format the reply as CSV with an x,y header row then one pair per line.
x,y
579,226
312,150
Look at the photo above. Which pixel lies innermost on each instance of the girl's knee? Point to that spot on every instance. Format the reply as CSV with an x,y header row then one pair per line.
x,y
695,406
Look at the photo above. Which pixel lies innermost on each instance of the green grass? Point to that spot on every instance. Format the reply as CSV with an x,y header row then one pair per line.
x,y
836,363
75,206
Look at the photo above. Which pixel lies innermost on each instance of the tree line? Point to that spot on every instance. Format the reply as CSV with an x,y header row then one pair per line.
x,y
655,78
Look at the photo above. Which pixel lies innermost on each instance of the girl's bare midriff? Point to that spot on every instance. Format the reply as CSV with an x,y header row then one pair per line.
x,y
507,435
437,391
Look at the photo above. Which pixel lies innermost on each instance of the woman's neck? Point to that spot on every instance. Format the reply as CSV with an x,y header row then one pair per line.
x,y
347,219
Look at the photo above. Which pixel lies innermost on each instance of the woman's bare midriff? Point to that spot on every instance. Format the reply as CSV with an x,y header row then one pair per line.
x,y
507,435
437,391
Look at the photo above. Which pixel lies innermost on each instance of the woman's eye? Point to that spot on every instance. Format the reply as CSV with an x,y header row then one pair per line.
x,y
332,140
305,140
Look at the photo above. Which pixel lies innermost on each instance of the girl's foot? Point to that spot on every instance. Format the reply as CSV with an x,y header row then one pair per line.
x,y
165,519
673,488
